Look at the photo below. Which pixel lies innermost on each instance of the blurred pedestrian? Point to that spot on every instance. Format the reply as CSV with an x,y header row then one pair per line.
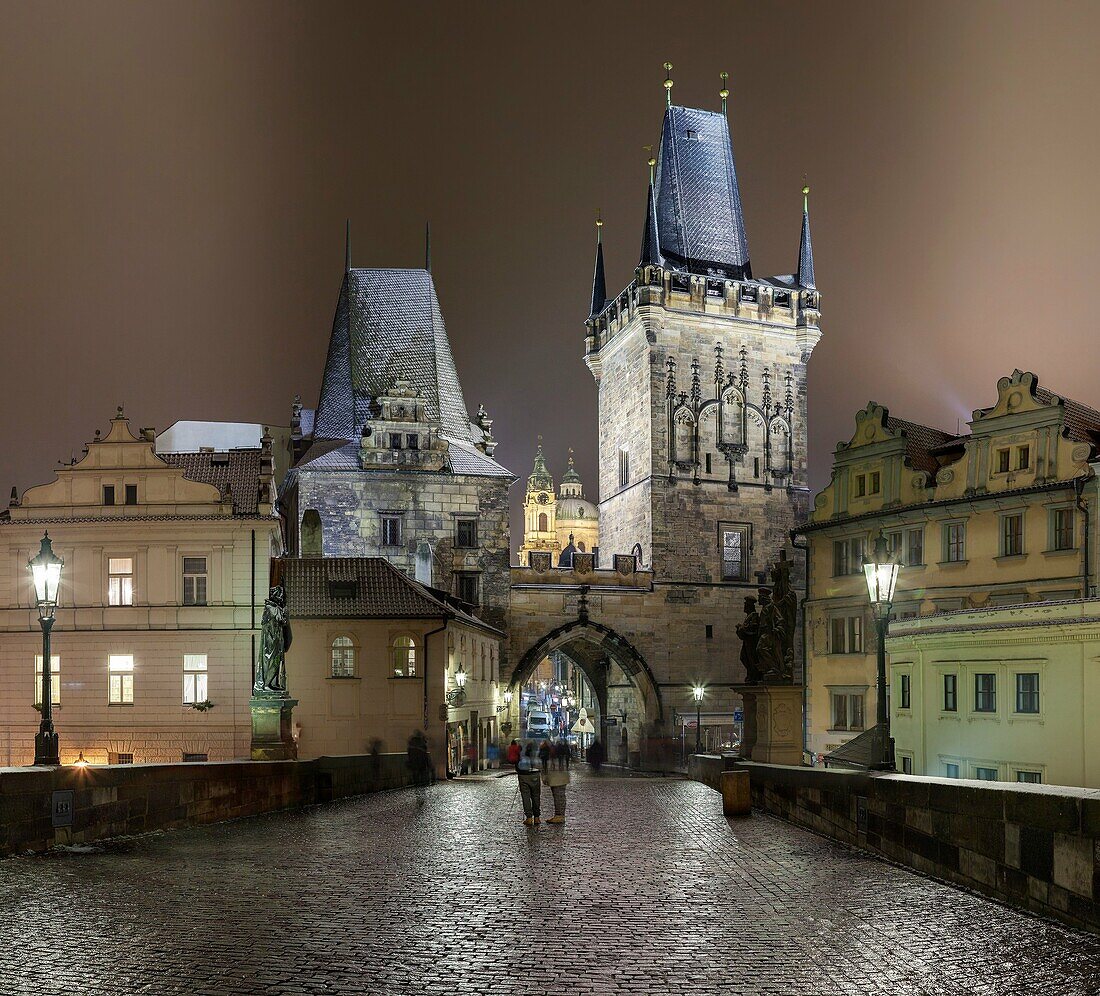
x,y
596,755
514,753
544,754
419,763
530,785
557,778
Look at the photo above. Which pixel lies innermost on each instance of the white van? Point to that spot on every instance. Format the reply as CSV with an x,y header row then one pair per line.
x,y
538,724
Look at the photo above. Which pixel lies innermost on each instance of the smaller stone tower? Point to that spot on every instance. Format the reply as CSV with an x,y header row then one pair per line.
x,y
539,525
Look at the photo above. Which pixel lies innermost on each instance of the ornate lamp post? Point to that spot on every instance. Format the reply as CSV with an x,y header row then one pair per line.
x,y
45,568
698,691
461,676
881,571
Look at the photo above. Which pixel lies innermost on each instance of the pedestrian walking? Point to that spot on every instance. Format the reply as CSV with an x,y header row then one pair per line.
x,y
544,754
595,755
530,785
419,763
514,753
557,778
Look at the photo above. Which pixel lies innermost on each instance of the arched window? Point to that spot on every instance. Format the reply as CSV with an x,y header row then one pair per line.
x,y
343,657
404,657
543,522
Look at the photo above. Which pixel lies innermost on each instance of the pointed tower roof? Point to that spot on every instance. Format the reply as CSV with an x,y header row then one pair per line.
x,y
388,326
699,219
571,476
599,284
651,245
804,275
540,479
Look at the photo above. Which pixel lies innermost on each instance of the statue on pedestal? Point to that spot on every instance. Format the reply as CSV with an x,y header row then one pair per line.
x,y
275,637
748,631
778,618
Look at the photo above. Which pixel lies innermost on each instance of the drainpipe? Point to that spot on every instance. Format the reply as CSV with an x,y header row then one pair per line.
x,y
426,635
805,636
1083,507
252,608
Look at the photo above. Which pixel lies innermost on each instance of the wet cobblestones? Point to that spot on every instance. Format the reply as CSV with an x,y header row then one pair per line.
x,y
647,890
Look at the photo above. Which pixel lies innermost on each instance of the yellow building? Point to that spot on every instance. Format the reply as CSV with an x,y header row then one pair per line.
x,y
1000,694
993,517
559,525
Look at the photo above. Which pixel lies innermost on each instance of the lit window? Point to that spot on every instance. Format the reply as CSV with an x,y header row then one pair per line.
x,y
950,693
120,669
404,657
120,581
194,678
735,560
1027,692
55,679
985,693
194,580
343,657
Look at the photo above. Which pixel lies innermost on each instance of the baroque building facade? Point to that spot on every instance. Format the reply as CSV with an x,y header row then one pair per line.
x,y
561,524
167,560
998,516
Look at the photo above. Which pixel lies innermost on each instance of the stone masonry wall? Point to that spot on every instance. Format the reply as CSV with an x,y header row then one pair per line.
x,y
350,504
129,799
1034,846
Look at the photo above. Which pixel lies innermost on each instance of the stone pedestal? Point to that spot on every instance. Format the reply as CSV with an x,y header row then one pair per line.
x,y
272,733
773,723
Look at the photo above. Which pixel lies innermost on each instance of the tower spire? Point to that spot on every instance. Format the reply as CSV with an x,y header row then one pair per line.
x,y
347,244
651,244
428,246
599,284
725,91
668,84
805,274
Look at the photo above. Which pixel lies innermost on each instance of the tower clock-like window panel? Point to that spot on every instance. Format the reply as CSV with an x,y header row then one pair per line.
x,y
735,552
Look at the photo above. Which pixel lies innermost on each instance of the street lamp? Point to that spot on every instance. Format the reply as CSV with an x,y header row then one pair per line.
x,y
461,676
697,691
881,571
508,697
45,569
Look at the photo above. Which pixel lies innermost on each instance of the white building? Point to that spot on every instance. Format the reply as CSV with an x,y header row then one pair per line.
x,y
1007,693
166,569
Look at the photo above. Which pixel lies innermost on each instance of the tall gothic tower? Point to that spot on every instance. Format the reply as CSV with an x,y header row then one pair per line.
x,y
702,376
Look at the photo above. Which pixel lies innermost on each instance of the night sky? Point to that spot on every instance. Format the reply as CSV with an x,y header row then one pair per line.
x,y
174,180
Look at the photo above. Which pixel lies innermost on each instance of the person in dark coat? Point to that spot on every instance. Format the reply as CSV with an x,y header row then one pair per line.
x,y
596,755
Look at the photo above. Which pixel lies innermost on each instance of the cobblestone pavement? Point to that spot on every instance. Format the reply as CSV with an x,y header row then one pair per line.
x,y
647,890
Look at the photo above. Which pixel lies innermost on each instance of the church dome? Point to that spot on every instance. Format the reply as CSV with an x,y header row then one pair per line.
x,y
570,509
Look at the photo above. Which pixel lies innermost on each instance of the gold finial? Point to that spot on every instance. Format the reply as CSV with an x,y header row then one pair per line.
x,y
570,456
668,84
805,197
724,92
599,234
651,161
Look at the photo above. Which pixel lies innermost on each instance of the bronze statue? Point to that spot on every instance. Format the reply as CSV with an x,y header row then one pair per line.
x,y
748,631
275,637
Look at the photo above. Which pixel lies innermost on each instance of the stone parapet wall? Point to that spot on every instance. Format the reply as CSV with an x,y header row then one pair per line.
x,y
1033,846
129,799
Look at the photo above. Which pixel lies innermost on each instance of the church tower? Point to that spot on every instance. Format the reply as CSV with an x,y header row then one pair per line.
x,y
539,506
701,373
